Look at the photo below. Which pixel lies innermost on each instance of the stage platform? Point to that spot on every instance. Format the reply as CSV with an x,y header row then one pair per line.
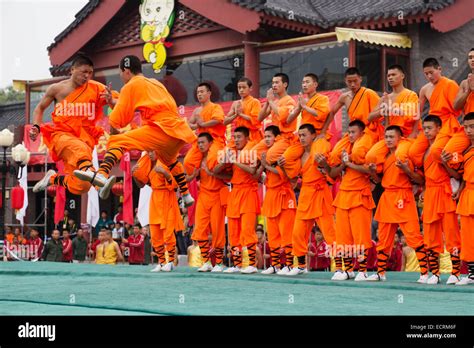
x,y
47,288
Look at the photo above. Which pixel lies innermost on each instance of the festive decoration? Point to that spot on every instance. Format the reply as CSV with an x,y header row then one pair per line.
x,y
117,189
18,196
52,190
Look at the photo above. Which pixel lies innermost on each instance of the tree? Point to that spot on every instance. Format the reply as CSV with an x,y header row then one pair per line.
x,y
9,95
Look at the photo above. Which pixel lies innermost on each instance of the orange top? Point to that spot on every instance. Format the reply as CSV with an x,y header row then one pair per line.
x,y
285,106
442,98
156,107
469,105
164,209
466,201
320,103
362,104
355,186
397,203
438,190
279,195
407,104
210,112
250,107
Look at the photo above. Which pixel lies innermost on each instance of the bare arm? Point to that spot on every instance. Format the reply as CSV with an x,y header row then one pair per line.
x,y
296,111
339,104
246,168
376,112
46,101
445,158
210,123
119,253
462,95
415,177
264,112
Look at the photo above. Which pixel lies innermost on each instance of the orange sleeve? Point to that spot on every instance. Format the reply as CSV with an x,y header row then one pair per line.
x,y
143,169
123,112
218,113
373,100
285,109
255,108
322,108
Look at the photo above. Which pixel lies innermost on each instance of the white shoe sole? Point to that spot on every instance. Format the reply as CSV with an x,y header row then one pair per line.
x,y
104,191
43,183
86,176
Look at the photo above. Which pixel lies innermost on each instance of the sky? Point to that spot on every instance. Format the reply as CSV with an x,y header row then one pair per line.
x,y
27,28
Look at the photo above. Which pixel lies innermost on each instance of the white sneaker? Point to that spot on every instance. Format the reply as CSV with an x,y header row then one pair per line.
x,y
207,267
188,200
336,275
343,276
90,176
157,268
452,279
104,191
271,270
44,183
249,270
465,281
361,277
217,268
434,279
232,270
285,270
423,279
168,267
297,271
376,277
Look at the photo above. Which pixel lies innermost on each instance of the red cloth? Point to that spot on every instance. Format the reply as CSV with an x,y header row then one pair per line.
x,y
60,197
127,189
136,245
395,261
118,217
193,190
36,247
320,260
67,250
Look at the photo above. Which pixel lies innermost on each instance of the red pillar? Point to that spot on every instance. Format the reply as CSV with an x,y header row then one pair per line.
x,y
251,63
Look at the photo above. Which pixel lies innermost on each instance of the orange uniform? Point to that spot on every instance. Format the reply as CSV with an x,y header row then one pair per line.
x,y
451,136
162,128
320,103
354,205
466,208
287,136
243,206
439,215
403,113
64,138
209,112
250,107
469,105
361,106
397,207
314,203
279,207
165,216
210,212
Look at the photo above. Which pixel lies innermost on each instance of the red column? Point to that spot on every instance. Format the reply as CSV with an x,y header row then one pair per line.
x,y
252,66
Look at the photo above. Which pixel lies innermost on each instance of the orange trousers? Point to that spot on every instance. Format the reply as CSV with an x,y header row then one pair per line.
x,y
72,150
353,227
162,236
467,238
210,216
280,228
302,230
433,234
410,229
242,230
193,157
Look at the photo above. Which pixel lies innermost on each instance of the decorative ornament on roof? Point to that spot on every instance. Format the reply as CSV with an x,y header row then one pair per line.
x,y
157,18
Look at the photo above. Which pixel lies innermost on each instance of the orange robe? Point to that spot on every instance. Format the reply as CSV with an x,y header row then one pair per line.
x,y
320,103
466,208
314,202
354,204
450,137
210,112
250,107
165,216
439,212
243,206
287,136
64,139
397,207
469,105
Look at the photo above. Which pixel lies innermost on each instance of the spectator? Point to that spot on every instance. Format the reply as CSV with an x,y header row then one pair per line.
x,y
263,249
147,245
94,244
9,234
67,247
53,250
395,261
62,225
319,259
19,236
35,244
108,251
409,259
12,250
136,245
71,226
118,232
103,222
127,229
119,216
79,247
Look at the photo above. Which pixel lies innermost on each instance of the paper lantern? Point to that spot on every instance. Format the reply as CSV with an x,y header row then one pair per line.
x,y
51,190
18,196
117,189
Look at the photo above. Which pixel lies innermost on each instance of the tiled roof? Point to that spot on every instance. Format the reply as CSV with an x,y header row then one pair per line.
x,y
12,114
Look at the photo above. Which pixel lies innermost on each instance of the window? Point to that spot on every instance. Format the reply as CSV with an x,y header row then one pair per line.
x,y
369,63
327,60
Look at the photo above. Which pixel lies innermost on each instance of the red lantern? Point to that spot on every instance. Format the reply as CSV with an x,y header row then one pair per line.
x,y
117,189
18,196
52,190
